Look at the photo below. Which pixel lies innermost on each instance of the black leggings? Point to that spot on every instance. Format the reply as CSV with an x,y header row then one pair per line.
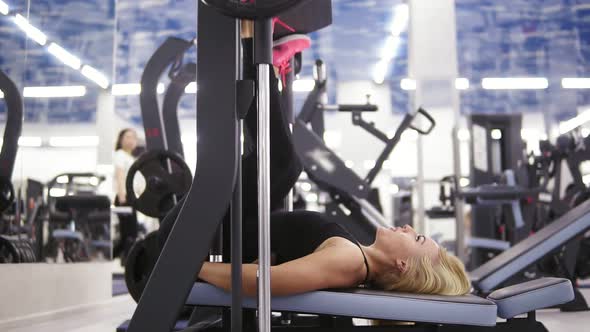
x,y
128,228
285,166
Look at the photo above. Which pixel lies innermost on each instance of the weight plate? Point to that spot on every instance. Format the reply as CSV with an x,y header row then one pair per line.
x,y
140,262
162,183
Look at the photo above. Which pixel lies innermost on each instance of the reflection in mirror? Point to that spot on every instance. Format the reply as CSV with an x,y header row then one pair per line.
x,y
16,234
64,62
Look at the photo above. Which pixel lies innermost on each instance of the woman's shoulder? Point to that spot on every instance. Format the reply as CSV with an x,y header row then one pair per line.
x,y
122,154
122,158
338,243
344,257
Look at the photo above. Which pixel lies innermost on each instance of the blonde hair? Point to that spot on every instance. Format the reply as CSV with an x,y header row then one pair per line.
x,y
446,277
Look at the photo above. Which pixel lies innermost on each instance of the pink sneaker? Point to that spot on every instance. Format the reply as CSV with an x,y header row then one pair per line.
x,y
285,48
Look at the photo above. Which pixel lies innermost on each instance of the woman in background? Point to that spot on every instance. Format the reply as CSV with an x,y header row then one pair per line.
x,y
122,160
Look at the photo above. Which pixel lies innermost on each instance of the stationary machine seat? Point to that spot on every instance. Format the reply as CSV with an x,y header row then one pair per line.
x,y
87,202
532,295
371,304
67,234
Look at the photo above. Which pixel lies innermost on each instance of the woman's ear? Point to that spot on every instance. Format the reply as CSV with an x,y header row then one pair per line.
x,y
401,265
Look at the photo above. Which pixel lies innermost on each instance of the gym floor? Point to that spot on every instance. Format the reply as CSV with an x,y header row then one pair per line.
x,y
105,317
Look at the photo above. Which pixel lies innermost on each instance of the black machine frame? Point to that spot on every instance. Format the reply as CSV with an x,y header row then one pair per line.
x,y
12,132
330,172
216,184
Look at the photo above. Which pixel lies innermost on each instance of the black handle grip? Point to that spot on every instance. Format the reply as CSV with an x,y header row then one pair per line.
x,y
430,120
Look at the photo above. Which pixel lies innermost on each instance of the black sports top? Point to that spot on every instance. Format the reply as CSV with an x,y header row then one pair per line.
x,y
299,233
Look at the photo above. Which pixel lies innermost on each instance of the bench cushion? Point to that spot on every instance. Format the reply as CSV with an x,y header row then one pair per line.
x,y
532,295
370,304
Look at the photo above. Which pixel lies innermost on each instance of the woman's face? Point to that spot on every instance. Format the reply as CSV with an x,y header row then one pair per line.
x,y
129,140
402,243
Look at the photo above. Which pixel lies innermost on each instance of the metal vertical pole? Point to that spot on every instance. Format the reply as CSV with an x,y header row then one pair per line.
x,y
415,101
288,106
421,222
456,105
459,203
236,216
236,250
263,198
263,59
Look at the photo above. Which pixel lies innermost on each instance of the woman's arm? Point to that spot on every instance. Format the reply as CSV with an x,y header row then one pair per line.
x,y
120,181
329,268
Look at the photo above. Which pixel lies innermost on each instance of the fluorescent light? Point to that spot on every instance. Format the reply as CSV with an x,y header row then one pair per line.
x,y
515,83
311,198
496,134
408,84
192,87
94,181
303,85
130,89
31,31
4,10
73,141
380,71
95,76
305,186
461,83
575,122
30,141
160,88
575,83
54,91
389,51
463,134
400,19
349,163
394,189
63,179
390,48
64,56
1,94
57,192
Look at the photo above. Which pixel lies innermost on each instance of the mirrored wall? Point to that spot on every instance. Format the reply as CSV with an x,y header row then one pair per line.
x,y
60,55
